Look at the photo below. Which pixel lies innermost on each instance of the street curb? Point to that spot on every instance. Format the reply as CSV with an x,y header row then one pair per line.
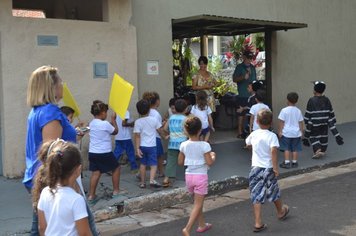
x,y
164,199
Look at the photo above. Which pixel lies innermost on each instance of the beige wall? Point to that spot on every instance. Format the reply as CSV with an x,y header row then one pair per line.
x,y
80,44
323,51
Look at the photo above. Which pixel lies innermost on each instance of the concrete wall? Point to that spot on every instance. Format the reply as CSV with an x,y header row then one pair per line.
x,y
323,51
80,44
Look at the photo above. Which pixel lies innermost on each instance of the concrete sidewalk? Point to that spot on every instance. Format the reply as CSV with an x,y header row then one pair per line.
x,y
229,172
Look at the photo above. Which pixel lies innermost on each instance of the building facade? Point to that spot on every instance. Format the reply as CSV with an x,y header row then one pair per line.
x,y
129,36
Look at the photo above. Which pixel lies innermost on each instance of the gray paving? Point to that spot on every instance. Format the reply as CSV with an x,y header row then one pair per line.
x,y
232,160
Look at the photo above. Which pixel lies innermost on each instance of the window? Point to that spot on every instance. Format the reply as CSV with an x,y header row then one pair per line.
x,y
60,9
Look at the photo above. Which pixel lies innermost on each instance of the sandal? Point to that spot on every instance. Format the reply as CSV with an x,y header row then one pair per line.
x,y
166,184
205,228
259,229
286,211
143,185
93,201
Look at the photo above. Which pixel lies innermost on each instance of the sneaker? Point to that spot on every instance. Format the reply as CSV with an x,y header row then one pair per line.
x,y
294,164
285,165
155,184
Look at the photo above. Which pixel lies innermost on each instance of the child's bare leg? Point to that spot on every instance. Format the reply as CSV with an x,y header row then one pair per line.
x,y
143,173
195,214
207,136
257,211
94,180
295,156
279,207
116,180
153,173
160,165
287,155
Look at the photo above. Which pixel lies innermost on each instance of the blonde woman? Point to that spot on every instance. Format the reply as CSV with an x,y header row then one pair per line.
x,y
45,122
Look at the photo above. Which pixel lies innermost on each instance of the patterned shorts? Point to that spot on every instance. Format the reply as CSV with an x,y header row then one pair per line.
x,y
263,185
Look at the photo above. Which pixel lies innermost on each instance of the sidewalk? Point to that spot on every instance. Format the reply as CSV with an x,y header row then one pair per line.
x,y
229,172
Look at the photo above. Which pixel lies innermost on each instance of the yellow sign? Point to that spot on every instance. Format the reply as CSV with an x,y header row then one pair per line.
x,y
68,100
120,95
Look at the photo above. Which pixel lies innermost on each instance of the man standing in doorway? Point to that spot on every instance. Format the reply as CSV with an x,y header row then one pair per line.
x,y
244,74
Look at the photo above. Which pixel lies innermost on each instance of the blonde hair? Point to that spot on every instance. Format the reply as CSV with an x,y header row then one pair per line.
x,y
41,86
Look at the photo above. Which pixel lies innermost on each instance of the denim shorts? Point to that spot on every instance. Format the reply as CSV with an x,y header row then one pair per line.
x,y
149,156
290,144
159,147
205,131
263,185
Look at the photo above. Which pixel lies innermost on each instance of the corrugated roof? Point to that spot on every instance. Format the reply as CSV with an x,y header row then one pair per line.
x,y
225,26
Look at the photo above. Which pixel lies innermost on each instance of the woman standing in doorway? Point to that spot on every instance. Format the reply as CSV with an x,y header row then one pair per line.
x,y
204,80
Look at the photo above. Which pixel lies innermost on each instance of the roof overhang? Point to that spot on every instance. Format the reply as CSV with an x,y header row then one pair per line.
x,y
196,26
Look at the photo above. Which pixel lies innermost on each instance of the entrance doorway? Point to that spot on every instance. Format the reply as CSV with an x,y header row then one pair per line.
x,y
204,27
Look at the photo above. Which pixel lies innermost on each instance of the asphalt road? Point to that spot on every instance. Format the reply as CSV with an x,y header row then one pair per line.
x,y
324,207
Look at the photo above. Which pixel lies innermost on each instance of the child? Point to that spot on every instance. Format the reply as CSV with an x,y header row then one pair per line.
x,y
101,157
203,111
145,142
197,156
175,128
171,110
290,131
260,97
319,116
153,98
252,88
264,171
61,210
79,128
123,141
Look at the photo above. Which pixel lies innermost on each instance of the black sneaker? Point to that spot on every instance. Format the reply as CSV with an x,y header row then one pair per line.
x,y
294,164
285,165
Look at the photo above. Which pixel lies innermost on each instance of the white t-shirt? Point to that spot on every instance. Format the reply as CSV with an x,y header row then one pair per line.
x,y
100,136
254,111
61,210
155,114
291,115
147,128
203,115
124,132
262,141
194,156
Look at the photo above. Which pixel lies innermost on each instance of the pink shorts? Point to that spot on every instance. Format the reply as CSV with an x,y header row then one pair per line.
x,y
197,183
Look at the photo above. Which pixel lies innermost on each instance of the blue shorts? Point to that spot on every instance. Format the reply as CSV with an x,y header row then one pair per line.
x,y
205,131
290,144
103,162
149,157
263,185
159,147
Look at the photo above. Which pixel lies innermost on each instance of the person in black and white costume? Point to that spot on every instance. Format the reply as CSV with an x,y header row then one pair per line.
x,y
319,117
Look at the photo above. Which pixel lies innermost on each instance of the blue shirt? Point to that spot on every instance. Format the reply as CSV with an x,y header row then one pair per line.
x,y
39,117
176,131
241,70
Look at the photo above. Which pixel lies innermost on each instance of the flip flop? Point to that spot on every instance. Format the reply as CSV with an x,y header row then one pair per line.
x,y
259,229
93,201
205,228
286,211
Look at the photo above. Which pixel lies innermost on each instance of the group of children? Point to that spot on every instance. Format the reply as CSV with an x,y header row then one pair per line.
x,y
187,145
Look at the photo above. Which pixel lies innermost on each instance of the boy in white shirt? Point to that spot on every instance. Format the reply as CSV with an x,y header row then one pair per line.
x,y
145,142
290,130
260,97
264,170
123,141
